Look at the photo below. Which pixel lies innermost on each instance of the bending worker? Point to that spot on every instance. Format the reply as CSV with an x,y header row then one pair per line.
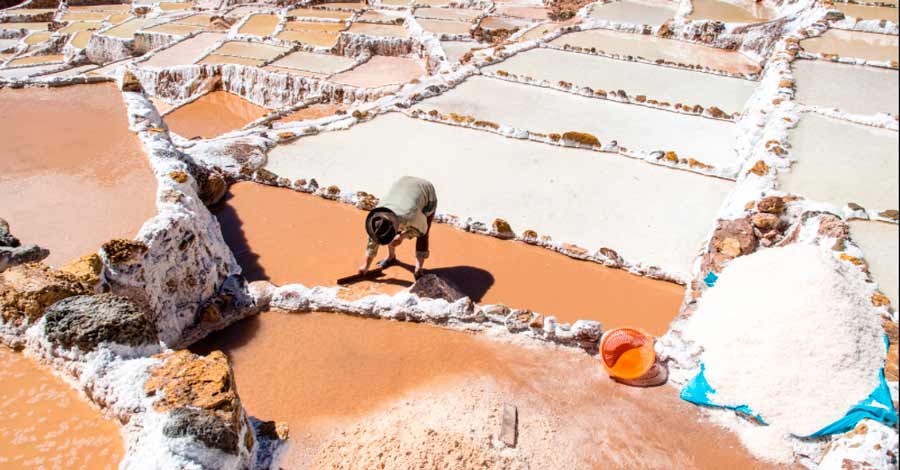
x,y
405,212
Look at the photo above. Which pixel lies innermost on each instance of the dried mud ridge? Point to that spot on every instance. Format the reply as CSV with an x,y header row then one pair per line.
x,y
116,322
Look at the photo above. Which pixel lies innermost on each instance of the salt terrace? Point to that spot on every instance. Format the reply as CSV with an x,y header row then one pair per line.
x,y
183,183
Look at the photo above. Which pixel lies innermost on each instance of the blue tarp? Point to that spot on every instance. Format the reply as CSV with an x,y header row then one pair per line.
x,y
878,406
699,392
710,279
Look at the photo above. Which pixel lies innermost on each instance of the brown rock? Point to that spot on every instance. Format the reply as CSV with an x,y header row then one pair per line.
x,y
130,83
120,250
880,300
86,270
612,255
856,207
891,371
771,205
502,229
434,287
853,260
889,214
764,221
529,235
27,290
833,227
178,176
760,168
732,238
188,380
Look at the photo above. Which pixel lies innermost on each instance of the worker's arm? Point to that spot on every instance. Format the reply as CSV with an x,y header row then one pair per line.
x,y
371,252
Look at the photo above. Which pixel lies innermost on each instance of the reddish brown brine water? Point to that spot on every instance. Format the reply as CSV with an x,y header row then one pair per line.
x,y
72,175
354,390
45,425
213,114
285,236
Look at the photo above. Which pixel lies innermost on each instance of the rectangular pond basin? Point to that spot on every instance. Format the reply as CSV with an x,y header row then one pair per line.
x,y
260,25
456,49
381,71
654,48
278,248
218,59
459,14
316,13
250,50
865,12
45,424
379,30
213,114
854,44
855,89
72,175
175,29
127,29
25,26
649,12
81,39
881,244
634,127
80,26
314,26
444,26
381,393
185,52
839,162
734,11
530,12
36,60
326,64
573,195
313,38
664,84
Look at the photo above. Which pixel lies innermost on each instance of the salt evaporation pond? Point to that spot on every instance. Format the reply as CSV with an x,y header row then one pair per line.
x,y
185,52
381,71
660,83
593,199
853,89
259,25
654,48
854,44
45,425
268,230
635,127
213,114
839,162
881,243
865,12
736,11
649,12
72,175
412,378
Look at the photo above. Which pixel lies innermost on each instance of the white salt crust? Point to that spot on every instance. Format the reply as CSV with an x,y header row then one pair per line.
x,y
789,332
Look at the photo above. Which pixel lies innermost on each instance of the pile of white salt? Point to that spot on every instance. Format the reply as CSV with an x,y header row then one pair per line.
x,y
791,333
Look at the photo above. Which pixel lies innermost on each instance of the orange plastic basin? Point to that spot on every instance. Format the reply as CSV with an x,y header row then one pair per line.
x,y
627,353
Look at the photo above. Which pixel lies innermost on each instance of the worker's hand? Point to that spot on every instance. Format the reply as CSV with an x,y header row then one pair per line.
x,y
397,240
363,269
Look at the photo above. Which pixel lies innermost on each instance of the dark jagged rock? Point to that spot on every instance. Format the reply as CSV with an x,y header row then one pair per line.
x,y
204,426
10,257
86,321
433,287
6,238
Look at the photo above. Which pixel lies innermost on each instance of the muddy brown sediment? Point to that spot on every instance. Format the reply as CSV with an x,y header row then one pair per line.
x,y
286,237
72,175
44,424
341,383
213,114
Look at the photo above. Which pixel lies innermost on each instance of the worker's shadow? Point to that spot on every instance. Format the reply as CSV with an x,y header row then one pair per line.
x,y
472,281
233,233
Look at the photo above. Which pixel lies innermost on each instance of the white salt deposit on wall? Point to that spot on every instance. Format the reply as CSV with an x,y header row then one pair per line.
x,y
790,333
